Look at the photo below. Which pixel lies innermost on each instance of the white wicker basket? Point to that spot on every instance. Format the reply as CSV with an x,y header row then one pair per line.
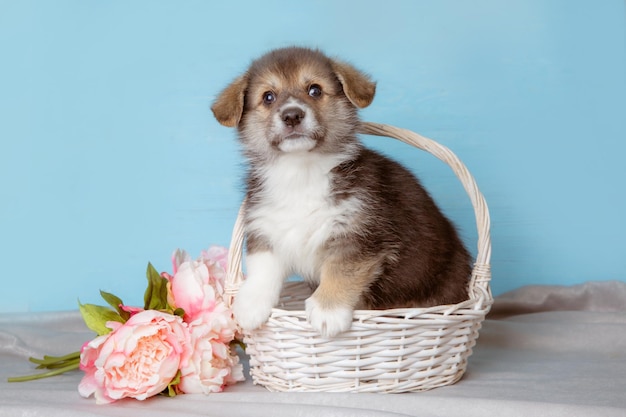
x,y
389,351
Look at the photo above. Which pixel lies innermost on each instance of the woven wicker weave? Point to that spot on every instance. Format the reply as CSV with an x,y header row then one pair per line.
x,y
390,351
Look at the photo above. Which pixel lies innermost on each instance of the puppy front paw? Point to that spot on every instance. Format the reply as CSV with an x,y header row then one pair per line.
x,y
260,292
328,321
251,312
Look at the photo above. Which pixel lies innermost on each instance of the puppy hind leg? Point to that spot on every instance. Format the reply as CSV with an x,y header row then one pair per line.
x,y
260,292
342,282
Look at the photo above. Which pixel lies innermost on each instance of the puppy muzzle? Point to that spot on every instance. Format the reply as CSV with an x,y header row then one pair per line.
x,y
294,127
292,116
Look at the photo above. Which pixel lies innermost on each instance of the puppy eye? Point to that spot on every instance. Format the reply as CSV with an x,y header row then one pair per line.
x,y
315,91
268,97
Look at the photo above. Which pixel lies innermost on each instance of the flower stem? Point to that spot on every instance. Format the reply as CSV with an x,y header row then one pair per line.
x,y
56,364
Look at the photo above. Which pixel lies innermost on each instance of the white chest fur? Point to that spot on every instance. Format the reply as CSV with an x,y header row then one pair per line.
x,y
297,213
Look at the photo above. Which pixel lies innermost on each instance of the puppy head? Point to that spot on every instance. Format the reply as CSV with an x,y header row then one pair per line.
x,y
295,100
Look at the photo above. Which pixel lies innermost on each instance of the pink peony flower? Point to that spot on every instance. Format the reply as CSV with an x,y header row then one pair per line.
x,y
216,261
191,290
217,255
197,288
138,359
178,257
212,365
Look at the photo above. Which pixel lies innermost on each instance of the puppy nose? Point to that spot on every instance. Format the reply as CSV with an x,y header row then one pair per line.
x,y
292,116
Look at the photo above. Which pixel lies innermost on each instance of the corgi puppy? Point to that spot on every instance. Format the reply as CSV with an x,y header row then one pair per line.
x,y
356,225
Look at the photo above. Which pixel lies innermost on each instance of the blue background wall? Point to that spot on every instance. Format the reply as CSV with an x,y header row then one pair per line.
x,y
110,157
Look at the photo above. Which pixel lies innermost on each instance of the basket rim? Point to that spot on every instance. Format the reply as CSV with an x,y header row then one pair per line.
x,y
480,294
444,310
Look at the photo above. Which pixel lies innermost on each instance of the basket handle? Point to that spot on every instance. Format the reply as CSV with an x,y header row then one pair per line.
x,y
234,274
481,273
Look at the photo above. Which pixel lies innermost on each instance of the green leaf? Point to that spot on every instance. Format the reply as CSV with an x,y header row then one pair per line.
x,y
155,297
171,390
96,317
115,302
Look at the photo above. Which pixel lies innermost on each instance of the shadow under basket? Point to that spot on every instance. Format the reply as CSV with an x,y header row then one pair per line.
x,y
386,351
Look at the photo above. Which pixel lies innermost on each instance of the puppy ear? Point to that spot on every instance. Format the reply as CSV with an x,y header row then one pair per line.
x,y
357,86
228,107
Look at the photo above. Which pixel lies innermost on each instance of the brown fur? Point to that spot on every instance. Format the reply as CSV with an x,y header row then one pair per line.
x,y
397,250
